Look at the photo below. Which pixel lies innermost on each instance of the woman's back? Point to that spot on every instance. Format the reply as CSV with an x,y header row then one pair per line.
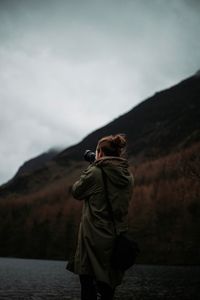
x,y
106,188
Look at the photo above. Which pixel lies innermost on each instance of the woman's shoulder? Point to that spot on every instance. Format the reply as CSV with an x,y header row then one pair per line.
x,y
93,170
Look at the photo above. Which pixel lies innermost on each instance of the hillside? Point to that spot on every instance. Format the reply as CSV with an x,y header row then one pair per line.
x,y
167,121
39,217
36,162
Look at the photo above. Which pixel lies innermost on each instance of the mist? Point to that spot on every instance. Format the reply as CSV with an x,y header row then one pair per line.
x,y
70,67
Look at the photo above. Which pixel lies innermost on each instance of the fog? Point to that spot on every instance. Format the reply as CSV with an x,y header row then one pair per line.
x,y
70,67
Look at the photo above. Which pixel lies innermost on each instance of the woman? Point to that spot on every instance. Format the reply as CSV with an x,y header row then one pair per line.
x,y
97,231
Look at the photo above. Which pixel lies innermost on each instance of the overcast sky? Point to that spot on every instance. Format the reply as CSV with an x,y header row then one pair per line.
x,y
69,67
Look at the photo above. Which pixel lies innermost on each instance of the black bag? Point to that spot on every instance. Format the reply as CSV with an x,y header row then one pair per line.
x,y
125,248
124,253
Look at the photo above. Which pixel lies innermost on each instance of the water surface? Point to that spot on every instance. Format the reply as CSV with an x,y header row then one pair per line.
x,y
26,279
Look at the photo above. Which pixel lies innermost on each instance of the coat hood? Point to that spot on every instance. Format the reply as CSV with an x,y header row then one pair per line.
x,y
116,169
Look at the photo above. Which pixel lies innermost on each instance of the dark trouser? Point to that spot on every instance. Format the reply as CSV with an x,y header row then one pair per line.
x,y
90,288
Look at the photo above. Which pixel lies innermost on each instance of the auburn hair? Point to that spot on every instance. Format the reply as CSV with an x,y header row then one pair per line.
x,y
112,145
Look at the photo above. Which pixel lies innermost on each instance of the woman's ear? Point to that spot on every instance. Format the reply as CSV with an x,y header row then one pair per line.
x,y
101,154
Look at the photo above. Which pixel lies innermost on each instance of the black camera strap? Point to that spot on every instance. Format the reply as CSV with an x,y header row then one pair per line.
x,y
110,210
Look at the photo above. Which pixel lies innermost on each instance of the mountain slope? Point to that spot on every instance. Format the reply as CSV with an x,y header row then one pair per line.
x,y
39,218
169,119
36,162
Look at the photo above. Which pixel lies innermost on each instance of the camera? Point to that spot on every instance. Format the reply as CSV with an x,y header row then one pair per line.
x,y
89,156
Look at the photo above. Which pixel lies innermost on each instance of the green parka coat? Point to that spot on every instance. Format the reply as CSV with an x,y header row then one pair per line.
x,y
96,231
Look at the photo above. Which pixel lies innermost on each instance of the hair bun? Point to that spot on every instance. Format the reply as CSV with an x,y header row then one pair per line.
x,y
112,145
119,140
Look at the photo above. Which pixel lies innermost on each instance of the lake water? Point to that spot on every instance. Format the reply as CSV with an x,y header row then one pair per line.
x,y
26,279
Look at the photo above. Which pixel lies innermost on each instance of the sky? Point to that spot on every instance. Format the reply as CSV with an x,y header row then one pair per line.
x,y
68,67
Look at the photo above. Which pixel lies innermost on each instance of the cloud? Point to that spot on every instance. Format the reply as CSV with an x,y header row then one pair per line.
x,y
69,67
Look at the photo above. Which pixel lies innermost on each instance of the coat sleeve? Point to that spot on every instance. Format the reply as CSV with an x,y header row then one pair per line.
x,y
85,186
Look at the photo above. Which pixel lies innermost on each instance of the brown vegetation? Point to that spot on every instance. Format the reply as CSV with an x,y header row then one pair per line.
x,y
165,209
164,213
